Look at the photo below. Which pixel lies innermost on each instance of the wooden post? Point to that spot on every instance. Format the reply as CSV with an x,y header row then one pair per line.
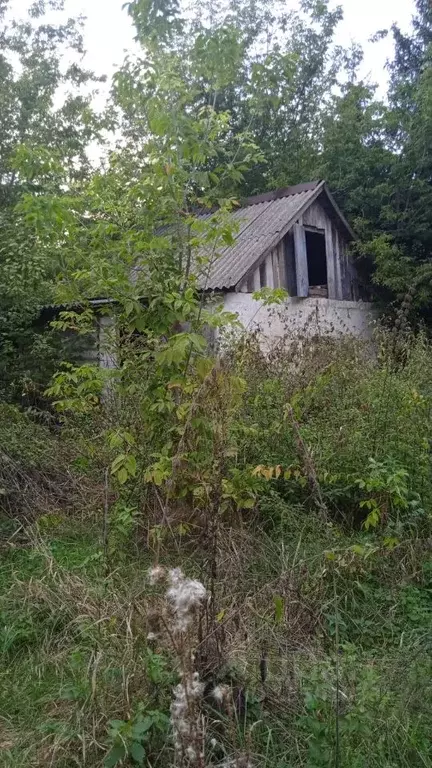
x,y
269,271
256,280
280,270
301,261
290,270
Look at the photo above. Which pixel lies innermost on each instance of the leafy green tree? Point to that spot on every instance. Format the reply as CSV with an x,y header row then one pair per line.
x,y
406,219
131,235
46,124
280,70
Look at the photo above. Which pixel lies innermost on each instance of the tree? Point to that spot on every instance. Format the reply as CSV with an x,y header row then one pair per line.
x,y
403,245
132,235
46,124
280,70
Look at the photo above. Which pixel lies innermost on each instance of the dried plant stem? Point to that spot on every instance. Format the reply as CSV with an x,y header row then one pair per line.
x,y
307,464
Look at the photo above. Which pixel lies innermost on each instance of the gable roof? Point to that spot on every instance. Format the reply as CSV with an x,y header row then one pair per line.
x,y
263,221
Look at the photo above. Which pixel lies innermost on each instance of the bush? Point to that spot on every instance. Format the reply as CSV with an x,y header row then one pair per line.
x,y
366,425
37,468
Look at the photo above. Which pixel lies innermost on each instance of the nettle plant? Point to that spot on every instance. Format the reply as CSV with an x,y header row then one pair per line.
x,y
132,238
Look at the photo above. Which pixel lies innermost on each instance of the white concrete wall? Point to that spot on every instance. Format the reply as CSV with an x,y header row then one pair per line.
x,y
302,317
107,342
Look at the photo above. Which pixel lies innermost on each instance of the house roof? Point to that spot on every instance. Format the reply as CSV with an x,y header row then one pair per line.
x,y
263,221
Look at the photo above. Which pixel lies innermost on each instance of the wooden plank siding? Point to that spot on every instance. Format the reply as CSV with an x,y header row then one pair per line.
x,y
269,276
341,275
286,266
290,267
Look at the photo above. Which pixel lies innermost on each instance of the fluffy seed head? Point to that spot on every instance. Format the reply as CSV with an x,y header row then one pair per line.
x,y
220,693
156,574
185,595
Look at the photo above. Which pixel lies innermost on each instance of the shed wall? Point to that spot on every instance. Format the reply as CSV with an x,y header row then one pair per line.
x,y
302,317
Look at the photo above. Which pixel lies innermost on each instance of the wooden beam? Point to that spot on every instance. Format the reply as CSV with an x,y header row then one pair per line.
x,y
331,261
301,261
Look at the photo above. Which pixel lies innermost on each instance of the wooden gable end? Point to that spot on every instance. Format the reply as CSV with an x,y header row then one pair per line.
x,y
312,259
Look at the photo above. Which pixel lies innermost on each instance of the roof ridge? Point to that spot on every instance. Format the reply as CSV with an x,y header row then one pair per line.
x,y
276,194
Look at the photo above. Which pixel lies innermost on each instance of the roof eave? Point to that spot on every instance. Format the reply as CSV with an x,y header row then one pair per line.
x,y
339,213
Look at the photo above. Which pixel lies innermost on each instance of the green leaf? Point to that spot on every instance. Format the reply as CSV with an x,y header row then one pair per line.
x,y
122,475
137,752
131,464
372,520
118,462
141,727
279,604
246,503
116,725
115,755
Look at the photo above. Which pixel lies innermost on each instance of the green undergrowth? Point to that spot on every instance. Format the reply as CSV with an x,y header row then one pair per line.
x,y
302,502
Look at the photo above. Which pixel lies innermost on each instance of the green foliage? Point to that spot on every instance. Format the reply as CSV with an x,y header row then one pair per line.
x,y
122,522
372,724
368,435
129,738
42,152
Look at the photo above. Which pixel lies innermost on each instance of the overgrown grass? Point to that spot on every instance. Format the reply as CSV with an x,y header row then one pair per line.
x,y
319,628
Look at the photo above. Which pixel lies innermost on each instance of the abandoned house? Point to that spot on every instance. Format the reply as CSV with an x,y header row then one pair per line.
x,y
297,239
294,238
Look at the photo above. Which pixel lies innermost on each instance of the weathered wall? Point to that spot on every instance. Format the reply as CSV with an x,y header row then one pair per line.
x,y
99,347
298,317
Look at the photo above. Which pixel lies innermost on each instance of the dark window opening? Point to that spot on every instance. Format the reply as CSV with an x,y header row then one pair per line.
x,y
316,260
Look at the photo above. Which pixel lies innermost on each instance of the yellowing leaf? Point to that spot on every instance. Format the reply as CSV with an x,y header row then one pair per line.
x,y
358,549
203,367
329,555
372,520
246,503
390,542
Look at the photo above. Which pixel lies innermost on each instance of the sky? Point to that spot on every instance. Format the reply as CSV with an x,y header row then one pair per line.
x,y
109,32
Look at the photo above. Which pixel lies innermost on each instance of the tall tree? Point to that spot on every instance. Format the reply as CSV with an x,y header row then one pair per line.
x,y
46,124
279,72
403,247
